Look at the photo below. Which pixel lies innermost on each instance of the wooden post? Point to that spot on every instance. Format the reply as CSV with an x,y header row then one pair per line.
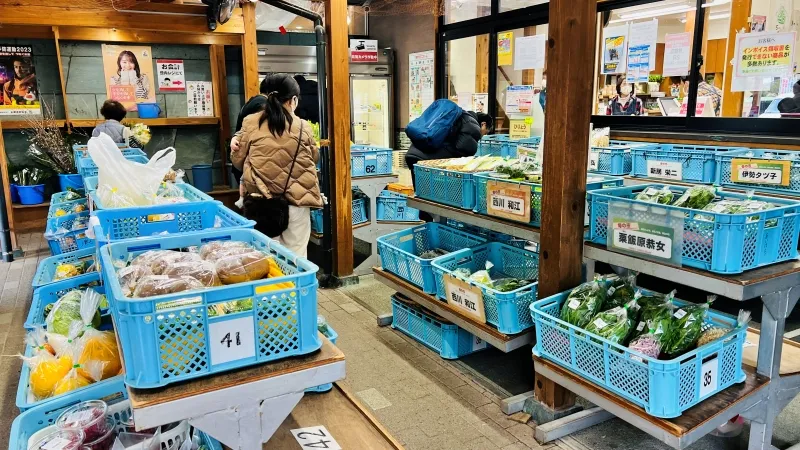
x,y
250,51
566,152
218,76
341,200
481,63
62,77
7,188
732,101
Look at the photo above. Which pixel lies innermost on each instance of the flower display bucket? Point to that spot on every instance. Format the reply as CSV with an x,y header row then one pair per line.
x,y
31,195
148,110
74,181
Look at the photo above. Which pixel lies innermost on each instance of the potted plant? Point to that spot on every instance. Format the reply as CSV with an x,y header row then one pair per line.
x,y
49,149
28,183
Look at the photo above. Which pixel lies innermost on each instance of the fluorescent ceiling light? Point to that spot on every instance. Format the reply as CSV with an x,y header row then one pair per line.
x,y
716,3
719,16
654,13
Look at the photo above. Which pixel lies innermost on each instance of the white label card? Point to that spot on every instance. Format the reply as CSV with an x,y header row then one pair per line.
x,y
709,373
641,242
669,170
315,437
57,443
463,298
232,340
679,314
478,344
510,205
594,160
600,323
574,304
760,175
371,164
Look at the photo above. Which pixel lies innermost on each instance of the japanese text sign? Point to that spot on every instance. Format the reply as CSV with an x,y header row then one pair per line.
x,y
363,50
170,75
764,54
765,171
520,129
659,239
465,297
508,200
670,170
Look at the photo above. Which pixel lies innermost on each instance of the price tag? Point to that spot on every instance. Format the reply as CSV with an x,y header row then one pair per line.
x,y
599,323
315,437
508,200
232,340
643,238
57,443
160,217
465,297
680,314
668,170
764,171
574,304
478,344
371,164
594,160
709,373
520,129
527,154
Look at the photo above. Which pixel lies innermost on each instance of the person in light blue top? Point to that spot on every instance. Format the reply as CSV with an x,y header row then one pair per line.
x,y
114,112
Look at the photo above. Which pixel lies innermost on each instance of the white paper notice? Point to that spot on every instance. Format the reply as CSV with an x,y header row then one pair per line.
x,y
480,103
465,100
677,53
529,52
232,340
645,34
315,437
420,83
199,99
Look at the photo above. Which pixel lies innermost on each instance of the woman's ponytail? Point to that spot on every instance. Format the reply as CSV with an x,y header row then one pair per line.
x,y
281,88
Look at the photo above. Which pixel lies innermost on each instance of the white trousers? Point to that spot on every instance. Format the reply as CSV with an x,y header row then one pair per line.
x,y
297,234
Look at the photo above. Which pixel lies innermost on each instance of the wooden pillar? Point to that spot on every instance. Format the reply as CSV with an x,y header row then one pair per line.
x,y
732,101
7,188
250,51
571,44
481,63
62,77
218,80
341,200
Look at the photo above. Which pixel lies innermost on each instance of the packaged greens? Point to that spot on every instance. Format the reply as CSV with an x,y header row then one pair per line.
x,y
66,310
509,284
696,197
685,330
621,290
614,324
746,206
583,303
661,196
482,277
713,333
655,314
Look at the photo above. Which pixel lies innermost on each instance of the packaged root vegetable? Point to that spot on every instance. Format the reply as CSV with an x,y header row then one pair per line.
x,y
130,276
216,249
583,303
202,271
160,264
663,196
647,344
153,285
713,333
242,268
696,197
685,330
613,324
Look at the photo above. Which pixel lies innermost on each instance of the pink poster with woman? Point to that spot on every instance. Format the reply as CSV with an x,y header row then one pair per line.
x,y
129,74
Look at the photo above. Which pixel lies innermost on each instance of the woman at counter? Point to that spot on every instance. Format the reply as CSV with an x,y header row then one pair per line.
x,y
626,103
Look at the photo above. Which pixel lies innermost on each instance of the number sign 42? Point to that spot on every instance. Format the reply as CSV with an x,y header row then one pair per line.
x,y
315,437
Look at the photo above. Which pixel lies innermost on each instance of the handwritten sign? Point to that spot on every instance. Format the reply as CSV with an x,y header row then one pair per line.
x,y
508,200
232,340
642,238
317,437
465,297
677,53
765,171
520,129
669,170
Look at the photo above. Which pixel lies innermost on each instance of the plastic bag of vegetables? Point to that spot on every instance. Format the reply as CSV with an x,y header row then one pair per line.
x,y
663,196
583,303
100,346
80,374
614,324
65,311
621,290
648,344
696,197
713,333
685,329
656,314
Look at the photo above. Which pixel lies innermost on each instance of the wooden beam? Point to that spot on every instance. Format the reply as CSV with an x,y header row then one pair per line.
x,y
218,76
26,32
338,58
61,75
172,8
571,43
250,51
481,63
159,122
7,189
146,37
732,101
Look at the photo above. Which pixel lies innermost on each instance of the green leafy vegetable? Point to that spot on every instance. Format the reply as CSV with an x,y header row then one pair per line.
x,y
620,291
661,196
685,330
696,197
613,325
583,303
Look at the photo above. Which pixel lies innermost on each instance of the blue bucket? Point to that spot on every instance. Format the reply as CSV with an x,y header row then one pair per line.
x,y
148,110
74,181
202,177
31,195
14,193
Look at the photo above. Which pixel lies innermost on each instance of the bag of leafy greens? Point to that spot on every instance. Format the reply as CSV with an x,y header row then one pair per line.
x,y
685,330
656,314
696,197
663,196
614,324
621,290
583,303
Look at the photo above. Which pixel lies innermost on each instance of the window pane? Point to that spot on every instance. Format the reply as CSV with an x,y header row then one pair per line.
x,y
508,5
514,78
467,71
460,10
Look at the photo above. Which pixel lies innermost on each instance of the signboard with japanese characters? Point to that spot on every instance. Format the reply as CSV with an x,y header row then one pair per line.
x,y
656,234
199,100
170,75
508,200
764,54
363,50
669,170
465,297
764,171
520,129
19,91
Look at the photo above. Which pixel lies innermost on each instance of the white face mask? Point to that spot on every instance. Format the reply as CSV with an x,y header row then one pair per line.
x,y
625,90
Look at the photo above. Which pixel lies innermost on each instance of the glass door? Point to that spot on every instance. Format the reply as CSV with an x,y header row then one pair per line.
x,y
371,109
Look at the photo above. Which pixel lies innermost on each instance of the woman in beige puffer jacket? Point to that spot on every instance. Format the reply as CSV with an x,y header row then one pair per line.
x,y
264,149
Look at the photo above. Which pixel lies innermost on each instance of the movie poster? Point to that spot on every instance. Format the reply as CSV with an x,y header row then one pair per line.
x,y
19,95
129,74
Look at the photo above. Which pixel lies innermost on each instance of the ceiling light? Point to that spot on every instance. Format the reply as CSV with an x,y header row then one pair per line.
x,y
654,13
719,16
716,3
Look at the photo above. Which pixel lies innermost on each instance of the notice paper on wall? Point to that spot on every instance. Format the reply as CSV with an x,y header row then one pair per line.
x,y
480,103
170,75
677,53
643,36
530,52
638,65
199,99
505,48
519,100
420,83
764,54
615,49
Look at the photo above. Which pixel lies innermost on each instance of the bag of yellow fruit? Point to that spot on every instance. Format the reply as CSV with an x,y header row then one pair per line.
x,y
79,374
96,346
45,369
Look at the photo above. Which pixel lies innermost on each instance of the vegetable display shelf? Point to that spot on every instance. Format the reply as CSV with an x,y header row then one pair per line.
x,y
779,171
187,191
503,145
676,162
721,243
616,159
46,272
61,238
50,293
444,186
366,161
66,209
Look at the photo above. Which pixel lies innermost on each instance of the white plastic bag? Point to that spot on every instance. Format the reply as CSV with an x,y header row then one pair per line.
x,y
127,183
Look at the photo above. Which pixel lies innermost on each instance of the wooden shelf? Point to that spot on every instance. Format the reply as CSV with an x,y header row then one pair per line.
x,y
160,122
38,205
488,333
23,124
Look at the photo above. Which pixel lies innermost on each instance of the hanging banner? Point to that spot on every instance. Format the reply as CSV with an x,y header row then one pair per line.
x,y
129,74
505,48
199,99
171,76
363,50
530,52
420,83
519,100
615,50
480,103
19,95
764,54
645,34
677,53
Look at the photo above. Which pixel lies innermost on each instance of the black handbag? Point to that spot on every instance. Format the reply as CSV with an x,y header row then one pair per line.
x,y
272,214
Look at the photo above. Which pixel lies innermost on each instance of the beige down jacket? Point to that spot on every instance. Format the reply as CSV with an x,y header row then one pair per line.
x,y
265,161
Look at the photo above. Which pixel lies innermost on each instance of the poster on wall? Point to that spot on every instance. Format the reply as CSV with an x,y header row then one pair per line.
x,y
638,65
615,50
677,53
19,95
420,83
643,36
764,54
530,52
171,76
480,103
129,74
505,48
199,99
758,24
363,50
519,100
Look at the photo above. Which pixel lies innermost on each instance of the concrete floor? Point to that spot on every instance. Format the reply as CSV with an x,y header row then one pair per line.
x,y
426,402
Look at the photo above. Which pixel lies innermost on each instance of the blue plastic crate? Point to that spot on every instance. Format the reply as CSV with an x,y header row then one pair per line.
x,y
724,163
189,192
84,161
90,184
450,341
47,267
367,161
593,181
59,197
392,206
698,163
67,207
616,159
50,293
491,236
663,388
175,337
359,211
503,145
332,336
67,241
89,169
727,244
81,150
399,251
508,311
445,186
